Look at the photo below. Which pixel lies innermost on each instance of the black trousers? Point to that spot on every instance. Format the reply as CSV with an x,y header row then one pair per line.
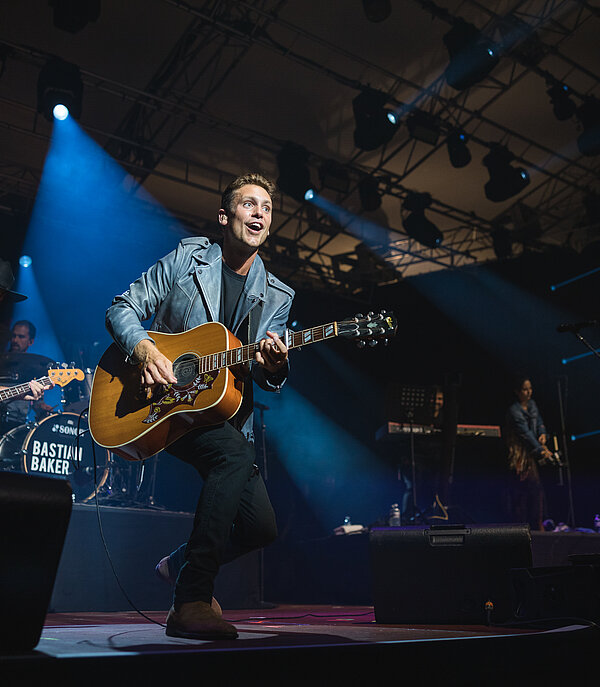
x,y
234,515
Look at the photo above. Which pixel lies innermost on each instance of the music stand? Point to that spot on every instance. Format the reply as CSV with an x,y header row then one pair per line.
x,y
412,405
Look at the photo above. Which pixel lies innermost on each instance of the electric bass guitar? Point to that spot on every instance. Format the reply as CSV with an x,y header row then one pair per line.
x,y
210,364
60,376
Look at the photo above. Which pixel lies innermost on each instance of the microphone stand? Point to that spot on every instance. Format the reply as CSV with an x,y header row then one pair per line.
x,y
586,343
567,464
263,435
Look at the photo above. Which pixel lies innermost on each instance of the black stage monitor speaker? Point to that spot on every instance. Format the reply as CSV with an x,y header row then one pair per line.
x,y
446,574
34,512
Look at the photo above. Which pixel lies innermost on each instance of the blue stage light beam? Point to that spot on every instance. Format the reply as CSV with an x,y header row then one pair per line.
x,y
335,472
566,361
554,287
369,232
575,437
92,231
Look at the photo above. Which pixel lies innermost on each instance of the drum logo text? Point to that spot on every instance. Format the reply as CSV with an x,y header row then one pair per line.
x,y
53,458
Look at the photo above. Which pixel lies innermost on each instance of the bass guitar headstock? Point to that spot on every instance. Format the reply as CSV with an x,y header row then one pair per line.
x,y
370,328
61,376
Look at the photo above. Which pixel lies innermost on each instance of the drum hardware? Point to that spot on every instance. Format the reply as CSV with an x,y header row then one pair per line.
x,y
58,446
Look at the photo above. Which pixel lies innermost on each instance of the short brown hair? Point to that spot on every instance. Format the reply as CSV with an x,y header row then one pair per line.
x,y
227,199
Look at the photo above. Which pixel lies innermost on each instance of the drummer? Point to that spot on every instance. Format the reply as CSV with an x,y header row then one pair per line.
x,y
14,412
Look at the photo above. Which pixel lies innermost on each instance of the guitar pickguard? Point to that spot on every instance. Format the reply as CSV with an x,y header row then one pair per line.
x,y
180,396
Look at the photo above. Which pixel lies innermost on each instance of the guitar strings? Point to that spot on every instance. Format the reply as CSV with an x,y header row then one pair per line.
x,y
296,339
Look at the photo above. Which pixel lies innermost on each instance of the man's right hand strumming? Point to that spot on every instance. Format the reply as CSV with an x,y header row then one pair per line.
x,y
156,367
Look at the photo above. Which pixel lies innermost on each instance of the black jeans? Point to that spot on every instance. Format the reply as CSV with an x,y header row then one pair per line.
x,y
234,515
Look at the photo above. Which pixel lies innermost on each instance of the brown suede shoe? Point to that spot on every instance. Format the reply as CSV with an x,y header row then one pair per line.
x,y
197,620
163,572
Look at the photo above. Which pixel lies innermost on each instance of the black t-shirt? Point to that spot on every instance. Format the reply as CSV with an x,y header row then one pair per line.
x,y
232,285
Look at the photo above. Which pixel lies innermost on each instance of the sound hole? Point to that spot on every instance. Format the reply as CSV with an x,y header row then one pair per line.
x,y
185,368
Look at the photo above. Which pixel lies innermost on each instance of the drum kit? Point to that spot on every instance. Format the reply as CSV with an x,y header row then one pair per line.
x,y
60,445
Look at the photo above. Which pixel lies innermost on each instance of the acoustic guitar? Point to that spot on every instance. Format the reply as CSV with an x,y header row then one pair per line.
x,y
210,365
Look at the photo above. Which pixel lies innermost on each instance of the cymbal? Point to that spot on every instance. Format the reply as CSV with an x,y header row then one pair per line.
x,y
24,365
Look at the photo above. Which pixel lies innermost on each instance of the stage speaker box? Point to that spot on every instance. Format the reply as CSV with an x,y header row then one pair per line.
x,y
446,574
566,591
34,512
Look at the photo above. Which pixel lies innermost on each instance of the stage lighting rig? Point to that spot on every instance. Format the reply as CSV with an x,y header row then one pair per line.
x,y
416,225
423,127
505,180
502,242
377,10
562,105
368,192
334,176
376,123
74,15
458,151
59,83
294,175
588,114
472,56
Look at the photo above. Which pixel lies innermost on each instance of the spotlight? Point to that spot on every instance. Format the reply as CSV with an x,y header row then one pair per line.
x,y
59,83
588,140
458,152
294,176
563,107
377,10
334,176
472,56
368,191
424,127
416,225
375,124
505,181
73,15
60,112
309,195
25,261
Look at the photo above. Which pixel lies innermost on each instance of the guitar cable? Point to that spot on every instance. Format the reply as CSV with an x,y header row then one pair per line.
x,y
101,529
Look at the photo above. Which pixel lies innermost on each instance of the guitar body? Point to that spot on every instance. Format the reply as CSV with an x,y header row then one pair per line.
x,y
135,425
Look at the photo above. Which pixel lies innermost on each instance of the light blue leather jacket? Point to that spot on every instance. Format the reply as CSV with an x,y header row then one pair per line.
x,y
183,290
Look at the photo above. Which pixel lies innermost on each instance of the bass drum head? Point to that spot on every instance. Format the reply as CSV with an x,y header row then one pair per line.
x,y
54,449
11,447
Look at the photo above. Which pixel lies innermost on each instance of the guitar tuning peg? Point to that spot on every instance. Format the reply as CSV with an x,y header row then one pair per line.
x,y
373,342
358,316
386,342
360,344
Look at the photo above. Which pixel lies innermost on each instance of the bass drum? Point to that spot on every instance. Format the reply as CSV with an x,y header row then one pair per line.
x,y
11,447
53,449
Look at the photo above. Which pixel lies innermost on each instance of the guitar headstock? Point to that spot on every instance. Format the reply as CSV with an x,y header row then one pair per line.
x,y
370,328
63,375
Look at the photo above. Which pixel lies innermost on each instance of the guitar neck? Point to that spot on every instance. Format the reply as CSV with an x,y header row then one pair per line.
x,y
245,354
20,390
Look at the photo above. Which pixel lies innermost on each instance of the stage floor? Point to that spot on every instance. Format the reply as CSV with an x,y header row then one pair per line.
x,y
300,645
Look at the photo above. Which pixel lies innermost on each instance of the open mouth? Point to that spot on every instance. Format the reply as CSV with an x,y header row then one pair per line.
x,y
255,227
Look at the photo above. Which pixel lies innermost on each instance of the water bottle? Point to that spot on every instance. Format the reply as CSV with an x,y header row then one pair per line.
x,y
394,519
597,523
